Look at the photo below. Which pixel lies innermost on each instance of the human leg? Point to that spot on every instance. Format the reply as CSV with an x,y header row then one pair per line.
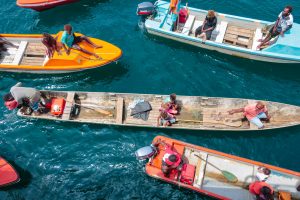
x,y
84,38
77,47
198,31
256,121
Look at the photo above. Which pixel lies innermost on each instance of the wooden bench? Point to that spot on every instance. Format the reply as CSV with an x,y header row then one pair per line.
x,y
20,53
221,31
258,35
188,25
68,106
120,109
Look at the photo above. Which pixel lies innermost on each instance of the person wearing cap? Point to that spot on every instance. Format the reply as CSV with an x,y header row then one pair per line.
x,y
254,113
261,190
22,96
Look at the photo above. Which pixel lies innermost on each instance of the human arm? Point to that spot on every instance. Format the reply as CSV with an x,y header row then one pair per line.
x,y
202,30
231,112
158,120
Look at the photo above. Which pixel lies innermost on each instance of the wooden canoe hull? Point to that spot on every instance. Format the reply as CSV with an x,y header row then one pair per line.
x,y
42,5
197,112
209,181
30,56
8,175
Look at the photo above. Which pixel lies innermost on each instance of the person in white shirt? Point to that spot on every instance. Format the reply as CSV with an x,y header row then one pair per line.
x,y
283,23
263,174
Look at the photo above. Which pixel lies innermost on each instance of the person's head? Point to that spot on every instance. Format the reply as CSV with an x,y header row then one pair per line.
x,y
266,171
68,28
260,105
47,38
287,11
172,97
173,158
211,14
9,101
298,188
266,192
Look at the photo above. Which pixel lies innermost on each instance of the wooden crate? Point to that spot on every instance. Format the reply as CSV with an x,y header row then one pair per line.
x,y
239,36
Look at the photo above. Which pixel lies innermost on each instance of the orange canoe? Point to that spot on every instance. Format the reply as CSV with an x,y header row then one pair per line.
x,y
8,175
29,55
40,5
210,181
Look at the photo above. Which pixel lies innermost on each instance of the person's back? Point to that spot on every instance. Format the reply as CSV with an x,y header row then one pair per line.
x,y
19,93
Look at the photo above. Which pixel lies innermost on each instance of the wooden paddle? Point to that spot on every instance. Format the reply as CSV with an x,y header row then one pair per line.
x,y
94,108
228,175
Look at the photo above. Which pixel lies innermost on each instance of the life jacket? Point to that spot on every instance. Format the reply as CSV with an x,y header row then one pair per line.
x,y
173,6
168,153
255,187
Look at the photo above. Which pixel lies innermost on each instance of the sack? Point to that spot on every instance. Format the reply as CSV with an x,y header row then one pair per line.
x,y
187,174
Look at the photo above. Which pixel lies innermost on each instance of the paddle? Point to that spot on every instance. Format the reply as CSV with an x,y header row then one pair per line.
x,y
228,175
94,108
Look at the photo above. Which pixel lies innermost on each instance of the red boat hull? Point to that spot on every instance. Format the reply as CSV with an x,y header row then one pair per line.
x,y
43,5
8,175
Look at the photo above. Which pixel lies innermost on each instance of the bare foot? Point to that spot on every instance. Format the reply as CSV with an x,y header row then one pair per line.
x,y
96,56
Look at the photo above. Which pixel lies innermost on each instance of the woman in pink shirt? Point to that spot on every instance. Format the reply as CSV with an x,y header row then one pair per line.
x,y
254,113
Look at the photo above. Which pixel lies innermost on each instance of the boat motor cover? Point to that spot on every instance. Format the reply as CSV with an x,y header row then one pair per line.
x,y
145,152
145,8
58,106
187,174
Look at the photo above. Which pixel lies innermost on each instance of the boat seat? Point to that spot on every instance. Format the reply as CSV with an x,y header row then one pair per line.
x,y
120,109
188,25
197,23
258,35
68,106
221,31
20,53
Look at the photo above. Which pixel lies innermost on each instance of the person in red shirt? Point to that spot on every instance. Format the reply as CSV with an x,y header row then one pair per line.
x,y
254,113
171,159
262,190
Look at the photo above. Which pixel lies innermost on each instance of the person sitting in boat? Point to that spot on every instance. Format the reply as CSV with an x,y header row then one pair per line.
x,y
70,41
22,96
209,24
170,105
263,173
283,24
254,113
171,159
165,119
261,190
4,43
51,44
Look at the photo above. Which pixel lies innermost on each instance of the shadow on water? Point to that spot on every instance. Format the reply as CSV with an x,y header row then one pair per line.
x,y
25,178
273,70
64,14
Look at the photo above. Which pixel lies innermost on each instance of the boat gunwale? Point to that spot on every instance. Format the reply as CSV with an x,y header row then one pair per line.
x,y
15,171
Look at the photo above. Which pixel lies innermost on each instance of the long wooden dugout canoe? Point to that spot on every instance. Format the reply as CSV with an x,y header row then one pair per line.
x,y
197,112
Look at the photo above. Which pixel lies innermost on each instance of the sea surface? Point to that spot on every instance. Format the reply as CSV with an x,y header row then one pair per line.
x,y
80,161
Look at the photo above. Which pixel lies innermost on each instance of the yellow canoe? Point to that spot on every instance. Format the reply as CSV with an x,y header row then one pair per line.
x,y
30,56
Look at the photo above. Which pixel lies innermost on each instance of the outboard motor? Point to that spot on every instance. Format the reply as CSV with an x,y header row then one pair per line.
x,y
146,152
145,9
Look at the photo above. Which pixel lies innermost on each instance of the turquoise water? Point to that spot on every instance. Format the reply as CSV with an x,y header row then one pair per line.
x,y
75,161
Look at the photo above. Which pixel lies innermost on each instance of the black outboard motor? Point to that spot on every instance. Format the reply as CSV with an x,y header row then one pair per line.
x,y
146,152
145,9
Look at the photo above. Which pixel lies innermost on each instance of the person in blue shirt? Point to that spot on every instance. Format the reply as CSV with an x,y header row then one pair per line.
x,y
69,40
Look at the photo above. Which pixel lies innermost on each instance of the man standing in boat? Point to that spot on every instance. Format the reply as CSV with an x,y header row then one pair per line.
x,y
283,24
22,96
254,113
70,41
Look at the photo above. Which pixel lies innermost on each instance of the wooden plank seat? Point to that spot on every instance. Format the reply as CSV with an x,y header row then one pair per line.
x,y
68,106
221,31
35,49
188,25
239,36
120,109
258,35
20,53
